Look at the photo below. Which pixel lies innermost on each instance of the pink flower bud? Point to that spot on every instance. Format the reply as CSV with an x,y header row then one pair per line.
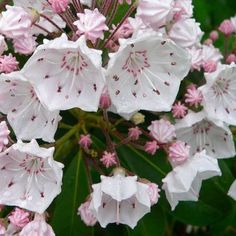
x,y
214,35
162,130
153,192
208,42
193,96
226,27
178,152
231,58
85,141
134,133
19,217
151,147
91,24
108,159
179,110
8,63
59,6
209,66
105,100
86,214
25,45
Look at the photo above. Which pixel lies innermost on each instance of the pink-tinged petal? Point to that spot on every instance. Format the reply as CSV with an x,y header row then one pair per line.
x,y
66,74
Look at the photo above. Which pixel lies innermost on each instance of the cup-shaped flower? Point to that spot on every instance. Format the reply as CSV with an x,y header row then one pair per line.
x,y
27,116
184,182
219,93
15,22
155,13
145,73
37,227
66,74
201,132
30,178
120,199
186,33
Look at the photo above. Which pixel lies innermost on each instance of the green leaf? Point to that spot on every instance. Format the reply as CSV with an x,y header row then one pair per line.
x,y
74,191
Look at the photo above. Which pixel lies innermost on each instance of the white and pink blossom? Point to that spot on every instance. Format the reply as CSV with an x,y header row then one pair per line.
x,y
30,178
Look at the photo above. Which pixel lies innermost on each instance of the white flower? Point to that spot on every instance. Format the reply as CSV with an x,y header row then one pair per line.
x,y
15,22
233,22
186,33
201,132
155,13
3,45
30,178
184,182
86,2
232,190
145,73
196,58
42,7
4,132
185,9
66,74
26,115
210,53
37,227
219,94
120,199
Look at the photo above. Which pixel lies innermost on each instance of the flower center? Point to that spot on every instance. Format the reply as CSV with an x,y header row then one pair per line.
x,y
136,62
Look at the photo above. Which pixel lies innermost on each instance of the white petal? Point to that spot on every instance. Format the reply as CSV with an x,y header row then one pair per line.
x,y
66,74
145,73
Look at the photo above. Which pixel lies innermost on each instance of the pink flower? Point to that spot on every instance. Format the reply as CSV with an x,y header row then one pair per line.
x,y
186,33
124,31
184,9
155,13
108,159
105,100
162,130
214,35
86,214
178,152
85,141
134,133
4,132
231,58
193,96
25,45
8,63
59,6
15,22
196,58
91,23
151,147
153,192
209,66
19,217
226,27
179,110
37,227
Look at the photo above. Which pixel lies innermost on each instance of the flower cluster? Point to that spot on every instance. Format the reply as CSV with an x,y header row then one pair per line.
x,y
88,85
